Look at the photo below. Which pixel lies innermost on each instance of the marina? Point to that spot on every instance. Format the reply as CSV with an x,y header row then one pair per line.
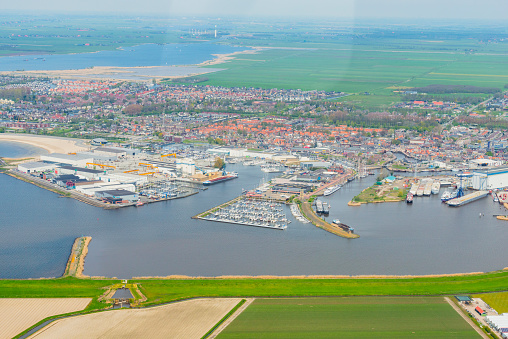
x,y
249,212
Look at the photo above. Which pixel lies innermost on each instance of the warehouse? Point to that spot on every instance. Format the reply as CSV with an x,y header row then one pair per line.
x,y
117,194
37,166
67,159
490,179
87,173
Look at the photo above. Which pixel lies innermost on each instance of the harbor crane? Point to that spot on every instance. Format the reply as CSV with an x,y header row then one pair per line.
x,y
100,165
169,155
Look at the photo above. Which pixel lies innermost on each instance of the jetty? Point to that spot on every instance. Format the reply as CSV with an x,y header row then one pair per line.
x,y
76,262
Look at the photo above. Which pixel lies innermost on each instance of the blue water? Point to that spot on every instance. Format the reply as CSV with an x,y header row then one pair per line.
x,y
10,149
38,229
142,55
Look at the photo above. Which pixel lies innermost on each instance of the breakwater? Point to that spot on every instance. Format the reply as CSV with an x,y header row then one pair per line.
x,y
76,263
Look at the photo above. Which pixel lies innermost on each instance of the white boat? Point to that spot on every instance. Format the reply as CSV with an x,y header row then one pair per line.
x,y
436,186
270,169
414,188
332,189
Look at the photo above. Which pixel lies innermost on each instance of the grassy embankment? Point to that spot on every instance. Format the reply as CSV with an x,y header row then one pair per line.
x,y
360,317
165,290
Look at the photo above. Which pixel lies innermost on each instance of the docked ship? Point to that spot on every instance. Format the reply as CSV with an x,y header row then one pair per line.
x,y
447,195
221,178
332,189
436,186
336,222
270,169
409,198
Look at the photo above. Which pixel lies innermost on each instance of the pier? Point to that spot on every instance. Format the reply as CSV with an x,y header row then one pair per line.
x,y
76,263
467,198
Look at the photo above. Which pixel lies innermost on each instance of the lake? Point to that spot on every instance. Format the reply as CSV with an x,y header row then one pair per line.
x,y
141,55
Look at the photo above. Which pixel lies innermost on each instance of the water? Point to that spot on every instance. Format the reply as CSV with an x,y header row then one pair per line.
x,y
10,149
142,55
38,229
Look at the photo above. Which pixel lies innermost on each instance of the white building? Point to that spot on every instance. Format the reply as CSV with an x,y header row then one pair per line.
x,y
37,166
78,160
490,179
484,163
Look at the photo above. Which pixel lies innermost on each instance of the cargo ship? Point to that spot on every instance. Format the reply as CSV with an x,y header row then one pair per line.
x,y
222,178
332,189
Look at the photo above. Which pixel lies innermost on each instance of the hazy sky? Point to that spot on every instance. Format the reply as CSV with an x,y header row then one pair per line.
x,y
355,9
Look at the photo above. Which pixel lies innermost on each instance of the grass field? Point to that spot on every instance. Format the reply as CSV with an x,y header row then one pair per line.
x,y
498,301
360,317
164,290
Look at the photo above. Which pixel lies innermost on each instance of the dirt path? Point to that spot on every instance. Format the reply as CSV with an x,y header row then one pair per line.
x,y
229,320
466,318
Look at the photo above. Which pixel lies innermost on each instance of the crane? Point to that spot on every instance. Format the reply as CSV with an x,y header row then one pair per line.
x,y
101,165
168,155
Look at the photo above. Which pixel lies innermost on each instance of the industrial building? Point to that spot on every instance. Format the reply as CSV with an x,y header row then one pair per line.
x,y
37,166
490,179
78,160
117,194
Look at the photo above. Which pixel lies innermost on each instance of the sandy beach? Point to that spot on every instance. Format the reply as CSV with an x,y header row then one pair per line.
x,y
52,145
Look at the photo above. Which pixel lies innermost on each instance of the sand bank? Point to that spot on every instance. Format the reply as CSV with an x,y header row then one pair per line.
x,y
141,73
222,58
52,145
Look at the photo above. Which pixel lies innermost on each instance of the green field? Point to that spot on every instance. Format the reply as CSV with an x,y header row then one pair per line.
x,y
498,301
164,290
359,317
357,71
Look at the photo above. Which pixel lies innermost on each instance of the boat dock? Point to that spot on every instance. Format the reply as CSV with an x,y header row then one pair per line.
x,y
248,212
466,199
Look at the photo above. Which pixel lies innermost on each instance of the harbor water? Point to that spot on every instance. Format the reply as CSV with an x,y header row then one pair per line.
x,y
38,229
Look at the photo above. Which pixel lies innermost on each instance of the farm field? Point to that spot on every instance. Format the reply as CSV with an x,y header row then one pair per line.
x,y
358,317
187,319
16,315
370,75
498,301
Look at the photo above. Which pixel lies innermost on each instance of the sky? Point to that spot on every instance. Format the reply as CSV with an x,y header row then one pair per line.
x,y
353,9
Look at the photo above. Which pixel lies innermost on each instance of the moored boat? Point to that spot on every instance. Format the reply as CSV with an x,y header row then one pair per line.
x,y
332,189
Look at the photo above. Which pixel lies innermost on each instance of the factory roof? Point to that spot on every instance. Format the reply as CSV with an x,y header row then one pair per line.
x,y
81,169
118,192
36,164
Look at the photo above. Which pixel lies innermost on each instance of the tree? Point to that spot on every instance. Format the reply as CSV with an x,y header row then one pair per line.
x,y
219,163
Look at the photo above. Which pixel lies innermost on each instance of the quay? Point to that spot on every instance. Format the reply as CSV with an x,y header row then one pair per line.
x,y
467,198
76,263
87,200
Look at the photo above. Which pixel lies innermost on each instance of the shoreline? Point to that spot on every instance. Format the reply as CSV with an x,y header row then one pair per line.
x,y
50,144
303,277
